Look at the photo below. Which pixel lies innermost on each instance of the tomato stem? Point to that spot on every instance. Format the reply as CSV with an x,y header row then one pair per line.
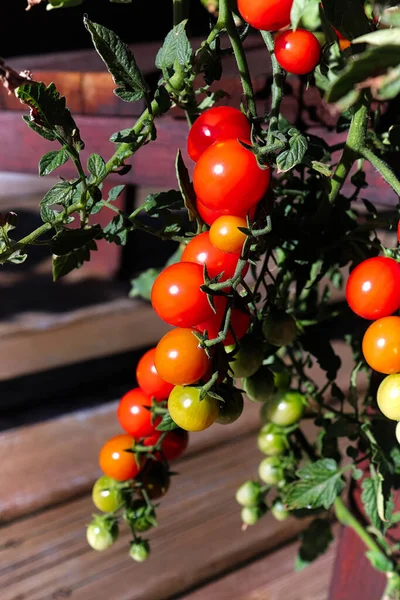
x,y
278,81
383,168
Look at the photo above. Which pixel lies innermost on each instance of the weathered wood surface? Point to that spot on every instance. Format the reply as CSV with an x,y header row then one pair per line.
x,y
272,577
199,536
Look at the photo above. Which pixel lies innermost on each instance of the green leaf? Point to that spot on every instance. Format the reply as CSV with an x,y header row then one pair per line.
x,y
49,115
288,159
166,424
163,202
60,193
315,541
301,8
96,166
119,61
116,231
176,46
68,240
381,37
348,17
186,187
375,61
115,192
318,485
379,561
124,136
142,285
47,134
369,498
50,161
62,265
163,100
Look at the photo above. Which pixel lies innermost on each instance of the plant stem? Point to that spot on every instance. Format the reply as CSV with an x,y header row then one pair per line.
x,y
382,167
392,590
225,21
278,79
346,518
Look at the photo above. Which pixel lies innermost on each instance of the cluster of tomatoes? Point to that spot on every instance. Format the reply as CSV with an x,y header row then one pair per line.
x,y
373,292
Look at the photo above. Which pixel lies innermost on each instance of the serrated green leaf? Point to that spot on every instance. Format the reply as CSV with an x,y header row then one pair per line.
x,y
47,134
142,285
348,17
381,37
369,498
61,193
318,485
301,8
315,541
163,202
50,161
115,192
62,265
96,166
119,61
47,214
68,240
176,46
124,136
288,159
116,231
186,187
166,424
379,561
371,63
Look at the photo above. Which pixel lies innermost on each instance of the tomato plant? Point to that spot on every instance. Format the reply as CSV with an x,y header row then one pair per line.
x,y
299,168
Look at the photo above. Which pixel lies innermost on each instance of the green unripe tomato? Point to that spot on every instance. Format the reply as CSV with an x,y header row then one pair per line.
x,y
248,359
101,533
260,386
231,409
398,432
139,517
282,379
388,397
270,470
279,511
271,441
249,494
105,494
279,329
284,408
251,514
139,551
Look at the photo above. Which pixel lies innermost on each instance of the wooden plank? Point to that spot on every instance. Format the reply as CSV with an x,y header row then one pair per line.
x,y
199,536
58,459
272,577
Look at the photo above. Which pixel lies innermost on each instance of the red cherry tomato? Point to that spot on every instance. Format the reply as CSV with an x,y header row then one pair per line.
x,y
116,462
134,414
373,288
176,295
268,15
214,125
173,445
227,178
210,216
179,359
240,322
398,232
148,378
200,250
381,345
297,51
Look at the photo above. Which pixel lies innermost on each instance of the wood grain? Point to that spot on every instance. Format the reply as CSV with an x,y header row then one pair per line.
x,y
199,536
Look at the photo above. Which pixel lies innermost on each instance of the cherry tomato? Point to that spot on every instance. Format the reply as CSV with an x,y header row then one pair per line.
x,y
116,462
249,494
105,494
240,322
227,178
176,295
209,216
179,358
271,440
381,345
284,408
188,411
270,470
373,288
251,514
134,414
139,551
397,432
200,250
225,235
279,329
279,511
231,409
388,397
398,232
297,51
248,359
260,387
173,445
101,533
148,378
155,479
214,125
267,15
